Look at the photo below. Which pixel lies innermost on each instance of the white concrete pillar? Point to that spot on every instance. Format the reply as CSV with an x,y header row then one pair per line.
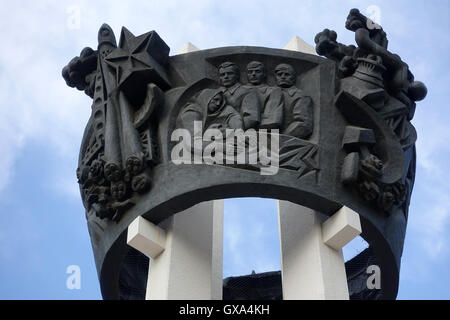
x,y
189,266
312,263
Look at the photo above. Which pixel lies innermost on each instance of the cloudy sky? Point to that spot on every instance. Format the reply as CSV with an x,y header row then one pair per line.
x,y
43,228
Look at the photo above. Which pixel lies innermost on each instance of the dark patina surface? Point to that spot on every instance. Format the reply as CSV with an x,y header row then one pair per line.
x,y
345,138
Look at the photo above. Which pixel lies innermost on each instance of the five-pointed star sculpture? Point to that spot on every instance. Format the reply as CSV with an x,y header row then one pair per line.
x,y
131,56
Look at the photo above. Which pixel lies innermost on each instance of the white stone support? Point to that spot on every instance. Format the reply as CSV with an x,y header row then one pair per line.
x,y
341,228
186,48
190,266
146,237
311,268
300,45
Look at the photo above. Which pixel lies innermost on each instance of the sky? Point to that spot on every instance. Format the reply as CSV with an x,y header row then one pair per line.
x,y
43,229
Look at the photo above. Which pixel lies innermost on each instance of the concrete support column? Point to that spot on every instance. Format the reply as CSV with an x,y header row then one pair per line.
x,y
185,253
312,263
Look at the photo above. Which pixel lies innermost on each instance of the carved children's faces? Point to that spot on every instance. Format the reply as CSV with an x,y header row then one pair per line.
x,y
228,76
354,20
112,172
285,75
215,103
134,165
118,190
255,73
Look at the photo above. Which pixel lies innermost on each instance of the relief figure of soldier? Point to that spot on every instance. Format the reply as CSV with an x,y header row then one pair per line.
x,y
270,98
298,118
243,99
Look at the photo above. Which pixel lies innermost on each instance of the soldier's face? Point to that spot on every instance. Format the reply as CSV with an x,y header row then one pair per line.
x,y
228,76
285,78
255,75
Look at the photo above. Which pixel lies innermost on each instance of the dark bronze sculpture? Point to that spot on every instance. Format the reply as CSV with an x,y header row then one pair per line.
x,y
345,137
384,82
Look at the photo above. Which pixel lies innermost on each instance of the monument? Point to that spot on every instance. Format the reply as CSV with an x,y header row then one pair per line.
x,y
170,136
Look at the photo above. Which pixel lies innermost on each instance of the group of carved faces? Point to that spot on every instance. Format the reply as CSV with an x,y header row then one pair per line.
x,y
282,107
256,74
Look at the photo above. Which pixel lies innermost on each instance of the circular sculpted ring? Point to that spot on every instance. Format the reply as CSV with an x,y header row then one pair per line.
x,y
169,132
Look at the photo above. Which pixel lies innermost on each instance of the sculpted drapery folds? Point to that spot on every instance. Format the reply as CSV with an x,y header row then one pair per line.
x,y
219,114
212,109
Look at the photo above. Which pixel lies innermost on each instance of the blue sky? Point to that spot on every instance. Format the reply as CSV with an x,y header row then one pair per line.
x,y
43,228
